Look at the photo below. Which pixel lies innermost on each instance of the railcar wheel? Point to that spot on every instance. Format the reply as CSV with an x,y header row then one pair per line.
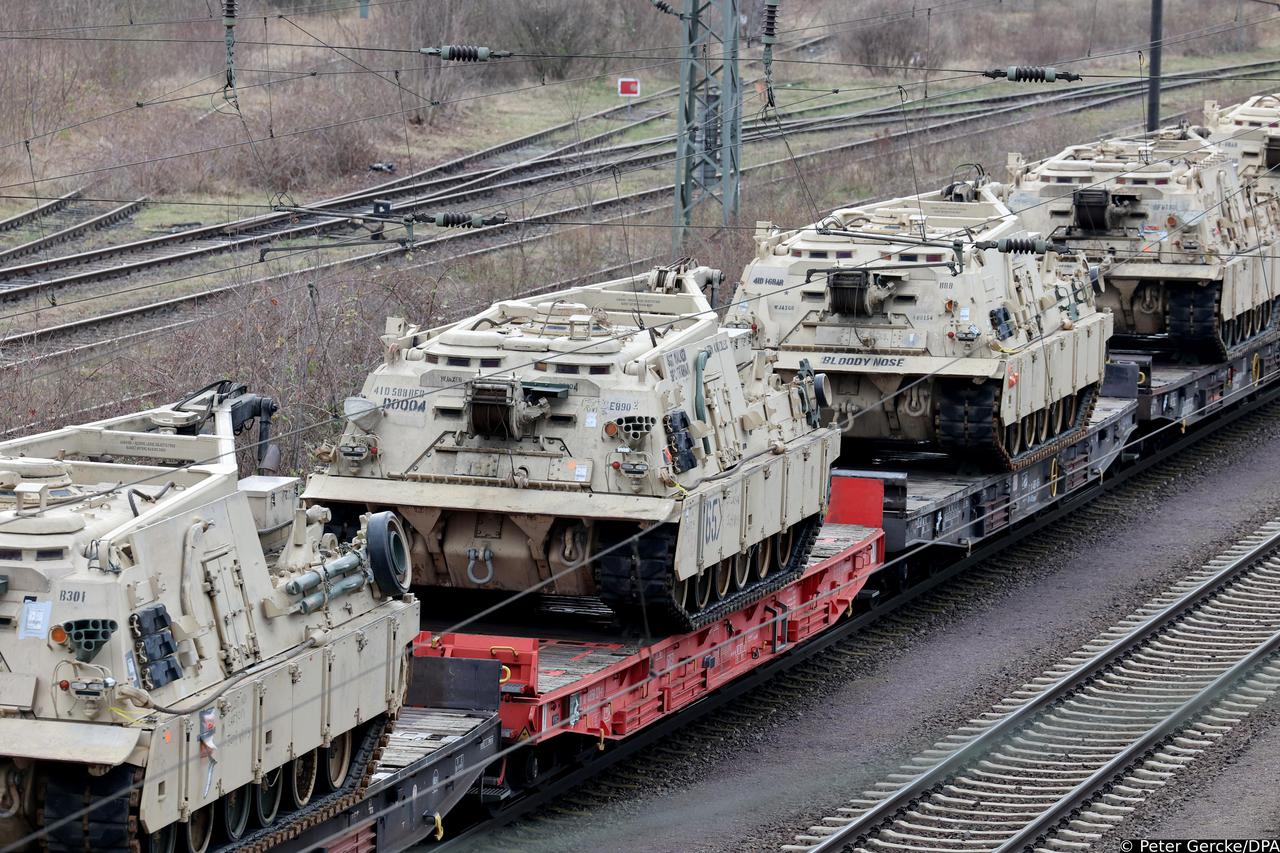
x,y
702,589
337,760
235,813
723,578
199,829
266,797
303,772
164,840
741,571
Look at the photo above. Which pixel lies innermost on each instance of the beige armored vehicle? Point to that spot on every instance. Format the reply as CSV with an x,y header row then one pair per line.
x,y
938,333
527,447
1249,133
1185,243
186,657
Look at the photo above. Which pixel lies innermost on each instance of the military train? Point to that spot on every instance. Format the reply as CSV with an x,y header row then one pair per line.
x,y
195,660
1174,227
618,419
942,322
189,659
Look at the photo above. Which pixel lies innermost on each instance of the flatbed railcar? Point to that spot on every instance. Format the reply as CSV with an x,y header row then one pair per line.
x,y
494,714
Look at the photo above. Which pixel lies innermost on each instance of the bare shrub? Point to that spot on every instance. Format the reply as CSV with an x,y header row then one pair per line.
x,y
899,39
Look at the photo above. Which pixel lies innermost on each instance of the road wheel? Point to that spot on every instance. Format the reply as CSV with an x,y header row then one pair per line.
x,y
336,761
236,807
303,772
267,796
199,829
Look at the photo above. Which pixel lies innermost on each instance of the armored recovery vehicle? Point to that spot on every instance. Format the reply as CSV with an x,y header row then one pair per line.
x,y
611,440
938,331
189,662
1249,133
1186,244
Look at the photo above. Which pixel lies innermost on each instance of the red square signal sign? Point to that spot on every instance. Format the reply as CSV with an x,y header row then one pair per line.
x,y
628,87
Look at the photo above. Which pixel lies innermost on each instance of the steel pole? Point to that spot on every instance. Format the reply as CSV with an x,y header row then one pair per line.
x,y
1153,81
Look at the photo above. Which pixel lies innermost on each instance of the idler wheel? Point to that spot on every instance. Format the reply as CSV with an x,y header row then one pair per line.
x,y
741,571
303,772
337,760
199,829
236,807
723,578
266,797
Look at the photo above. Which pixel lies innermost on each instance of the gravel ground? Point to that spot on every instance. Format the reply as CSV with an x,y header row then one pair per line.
x,y
1229,793
753,792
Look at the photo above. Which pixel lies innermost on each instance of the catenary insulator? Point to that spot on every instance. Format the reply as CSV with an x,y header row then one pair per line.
x,y
663,6
464,53
769,27
1030,74
460,220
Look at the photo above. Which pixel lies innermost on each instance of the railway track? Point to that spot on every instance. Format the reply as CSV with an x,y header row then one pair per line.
x,y
1066,758
660,758
564,163
491,239
38,232
439,184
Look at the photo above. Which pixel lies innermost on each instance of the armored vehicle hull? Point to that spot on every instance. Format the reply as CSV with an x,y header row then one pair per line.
x,y
191,662
528,448
1249,133
937,333
1185,243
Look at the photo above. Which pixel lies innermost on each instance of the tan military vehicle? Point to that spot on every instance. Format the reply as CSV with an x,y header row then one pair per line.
x,y
1185,243
934,338
1249,133
527,447
188,660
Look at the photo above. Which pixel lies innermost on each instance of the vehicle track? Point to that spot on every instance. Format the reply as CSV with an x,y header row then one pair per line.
x,y
724,720
1064,759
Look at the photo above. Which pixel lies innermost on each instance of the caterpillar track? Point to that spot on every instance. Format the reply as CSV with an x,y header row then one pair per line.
x,y
969,428
637,581
84,813
1195,320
